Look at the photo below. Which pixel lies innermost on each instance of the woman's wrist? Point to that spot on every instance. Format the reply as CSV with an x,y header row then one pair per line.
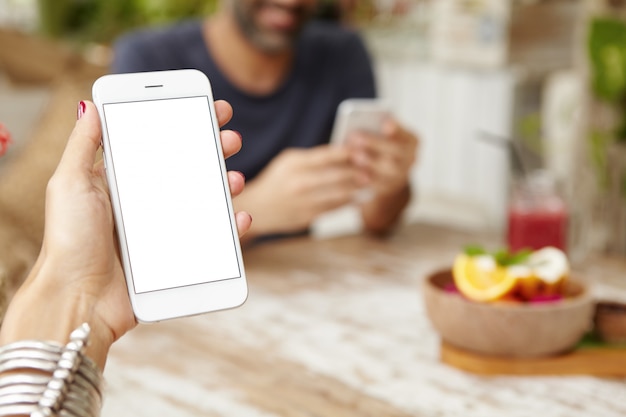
x,y
39,311
43,378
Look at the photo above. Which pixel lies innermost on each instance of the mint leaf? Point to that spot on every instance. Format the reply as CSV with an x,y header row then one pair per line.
x,y
520,256
502,257
474,250
506,258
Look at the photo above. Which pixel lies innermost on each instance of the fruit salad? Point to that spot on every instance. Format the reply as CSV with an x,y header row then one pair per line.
x,y
525,276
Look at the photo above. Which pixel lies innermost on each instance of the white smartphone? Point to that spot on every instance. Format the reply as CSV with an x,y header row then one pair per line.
x,y
169,191
366,114
359,114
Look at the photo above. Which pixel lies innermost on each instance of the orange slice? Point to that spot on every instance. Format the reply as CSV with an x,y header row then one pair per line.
x,y
479,278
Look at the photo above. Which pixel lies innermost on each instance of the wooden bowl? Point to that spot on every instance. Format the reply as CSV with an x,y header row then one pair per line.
x,y
506,328
610,321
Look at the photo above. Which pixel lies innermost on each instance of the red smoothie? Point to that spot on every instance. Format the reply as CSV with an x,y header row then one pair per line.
x,y
537,215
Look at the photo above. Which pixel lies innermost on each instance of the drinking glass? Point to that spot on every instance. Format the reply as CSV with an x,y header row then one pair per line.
x,y
538,215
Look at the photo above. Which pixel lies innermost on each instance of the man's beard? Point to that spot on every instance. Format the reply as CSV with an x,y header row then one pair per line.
x,y
271,42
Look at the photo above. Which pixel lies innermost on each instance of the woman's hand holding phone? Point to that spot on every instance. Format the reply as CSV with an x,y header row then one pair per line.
x,y
78,276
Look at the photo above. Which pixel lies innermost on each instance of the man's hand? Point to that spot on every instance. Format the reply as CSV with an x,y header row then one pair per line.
x,y
296,187
384,162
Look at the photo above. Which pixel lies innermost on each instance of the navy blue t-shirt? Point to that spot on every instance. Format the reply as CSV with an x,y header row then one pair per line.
x,y
331,64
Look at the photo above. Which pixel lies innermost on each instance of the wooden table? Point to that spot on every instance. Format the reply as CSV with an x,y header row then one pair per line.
x,y
337,328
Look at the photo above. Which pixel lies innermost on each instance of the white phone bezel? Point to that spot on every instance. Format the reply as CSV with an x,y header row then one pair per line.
x,y
181,301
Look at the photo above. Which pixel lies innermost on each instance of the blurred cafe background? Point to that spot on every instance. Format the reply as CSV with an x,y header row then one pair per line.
x,y
521,110
498,91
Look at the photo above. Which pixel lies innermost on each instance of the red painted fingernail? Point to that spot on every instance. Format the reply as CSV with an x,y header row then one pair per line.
x,y
82,108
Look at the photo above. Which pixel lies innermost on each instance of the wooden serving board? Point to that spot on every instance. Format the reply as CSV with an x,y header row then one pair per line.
x,y
605,360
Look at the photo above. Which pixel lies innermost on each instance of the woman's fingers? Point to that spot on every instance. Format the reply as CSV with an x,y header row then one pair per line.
x,y
80,150
236,182
223,111
244,220
231,142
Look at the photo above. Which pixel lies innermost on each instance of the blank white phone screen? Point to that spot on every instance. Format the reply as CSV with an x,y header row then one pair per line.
x,y
171,193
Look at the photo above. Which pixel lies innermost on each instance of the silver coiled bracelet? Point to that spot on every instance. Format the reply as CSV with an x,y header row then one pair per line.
x,y
44,379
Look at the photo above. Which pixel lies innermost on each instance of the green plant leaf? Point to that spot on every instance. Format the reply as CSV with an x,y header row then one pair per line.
x,y
505,258
104,20
475,250
529,130
502,256
598,143
607,54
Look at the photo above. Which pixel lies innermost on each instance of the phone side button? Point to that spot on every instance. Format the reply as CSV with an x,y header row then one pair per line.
x,y
104,161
